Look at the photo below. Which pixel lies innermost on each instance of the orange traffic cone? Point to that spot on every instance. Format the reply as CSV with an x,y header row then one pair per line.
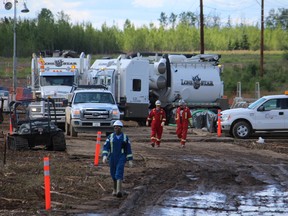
x,y
219,123
10,127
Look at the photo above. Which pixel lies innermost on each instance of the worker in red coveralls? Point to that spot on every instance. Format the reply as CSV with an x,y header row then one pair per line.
x,y
157,117
183,120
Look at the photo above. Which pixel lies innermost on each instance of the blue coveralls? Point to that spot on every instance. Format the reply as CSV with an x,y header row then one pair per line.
x,y
118,151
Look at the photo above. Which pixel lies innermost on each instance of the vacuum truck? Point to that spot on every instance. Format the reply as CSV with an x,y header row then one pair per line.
x,y
138,80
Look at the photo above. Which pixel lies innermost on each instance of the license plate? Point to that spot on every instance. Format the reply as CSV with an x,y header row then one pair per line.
x,y
96,124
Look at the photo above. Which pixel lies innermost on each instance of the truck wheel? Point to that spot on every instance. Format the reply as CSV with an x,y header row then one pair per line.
x,y
59,142
241,130
73,133
67,129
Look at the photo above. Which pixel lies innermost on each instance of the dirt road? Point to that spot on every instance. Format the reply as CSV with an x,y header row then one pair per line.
x,y
211,176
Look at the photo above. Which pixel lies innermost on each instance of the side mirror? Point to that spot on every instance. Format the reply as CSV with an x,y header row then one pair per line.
x,y
261,108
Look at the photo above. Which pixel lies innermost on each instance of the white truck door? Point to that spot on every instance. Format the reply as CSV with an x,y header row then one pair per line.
x,y
137,90
272,118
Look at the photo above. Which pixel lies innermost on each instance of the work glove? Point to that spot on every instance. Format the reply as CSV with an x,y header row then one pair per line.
x,y
147,123
130,163
104,159
162,124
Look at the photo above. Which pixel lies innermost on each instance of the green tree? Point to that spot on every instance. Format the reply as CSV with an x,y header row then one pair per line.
x,y
26,37
62,33
244,42
172,20
163,19
188,18
6,37
45,30
277,19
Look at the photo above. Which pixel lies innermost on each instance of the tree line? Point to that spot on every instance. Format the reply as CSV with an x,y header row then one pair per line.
x,y
176,33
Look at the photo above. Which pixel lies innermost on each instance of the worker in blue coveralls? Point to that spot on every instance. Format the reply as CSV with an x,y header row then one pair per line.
x,y
117,149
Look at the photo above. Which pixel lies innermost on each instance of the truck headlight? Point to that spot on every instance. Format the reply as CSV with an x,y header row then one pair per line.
x,y
76,113
35,109
115,113
225,117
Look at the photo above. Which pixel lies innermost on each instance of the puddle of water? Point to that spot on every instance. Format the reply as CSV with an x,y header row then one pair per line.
x,y
270,201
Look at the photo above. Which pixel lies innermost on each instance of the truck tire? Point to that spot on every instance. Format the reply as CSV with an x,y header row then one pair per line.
x,y
67,129
73,133
59,142
17,143
242,130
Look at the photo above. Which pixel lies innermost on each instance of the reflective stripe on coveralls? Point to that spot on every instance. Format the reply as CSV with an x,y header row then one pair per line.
x,y
118,155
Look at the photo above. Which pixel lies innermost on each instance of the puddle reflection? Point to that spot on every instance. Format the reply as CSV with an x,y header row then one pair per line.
x,y
270,201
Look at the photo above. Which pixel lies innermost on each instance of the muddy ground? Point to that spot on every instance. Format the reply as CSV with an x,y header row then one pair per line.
x,y
223,165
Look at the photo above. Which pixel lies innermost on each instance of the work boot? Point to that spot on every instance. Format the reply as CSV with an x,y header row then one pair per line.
x,y
119,188
114,193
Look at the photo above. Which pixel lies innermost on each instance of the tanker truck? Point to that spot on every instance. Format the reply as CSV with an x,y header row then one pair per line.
x,y
138,80
54,75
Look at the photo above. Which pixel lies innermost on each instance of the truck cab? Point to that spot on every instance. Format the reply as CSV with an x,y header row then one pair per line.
x,y
54,76
90,110
267,114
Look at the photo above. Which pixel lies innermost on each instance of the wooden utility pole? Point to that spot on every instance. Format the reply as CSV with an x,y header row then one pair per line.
x,y
201,28
262,41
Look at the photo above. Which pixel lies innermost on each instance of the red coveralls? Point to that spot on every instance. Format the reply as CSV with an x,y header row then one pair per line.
x,y
183,118
156,116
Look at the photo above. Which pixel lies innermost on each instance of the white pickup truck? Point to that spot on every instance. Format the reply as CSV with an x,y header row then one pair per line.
x,y
90,110
267,114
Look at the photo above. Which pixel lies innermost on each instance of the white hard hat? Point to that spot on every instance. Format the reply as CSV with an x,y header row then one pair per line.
x,y
182,102
118,123
158,102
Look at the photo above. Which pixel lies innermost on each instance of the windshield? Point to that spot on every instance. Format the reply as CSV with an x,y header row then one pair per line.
x,y
56,80
4,93
256,103
93,97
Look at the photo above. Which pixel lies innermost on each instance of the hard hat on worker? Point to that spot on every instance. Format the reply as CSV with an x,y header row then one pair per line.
x,y
182,103
118,123
158,103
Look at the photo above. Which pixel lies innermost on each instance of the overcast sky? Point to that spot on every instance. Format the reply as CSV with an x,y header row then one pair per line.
x,y
143,12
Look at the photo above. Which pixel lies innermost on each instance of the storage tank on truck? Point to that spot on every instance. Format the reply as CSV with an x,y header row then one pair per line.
x,y
54,76
194,78
128,80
